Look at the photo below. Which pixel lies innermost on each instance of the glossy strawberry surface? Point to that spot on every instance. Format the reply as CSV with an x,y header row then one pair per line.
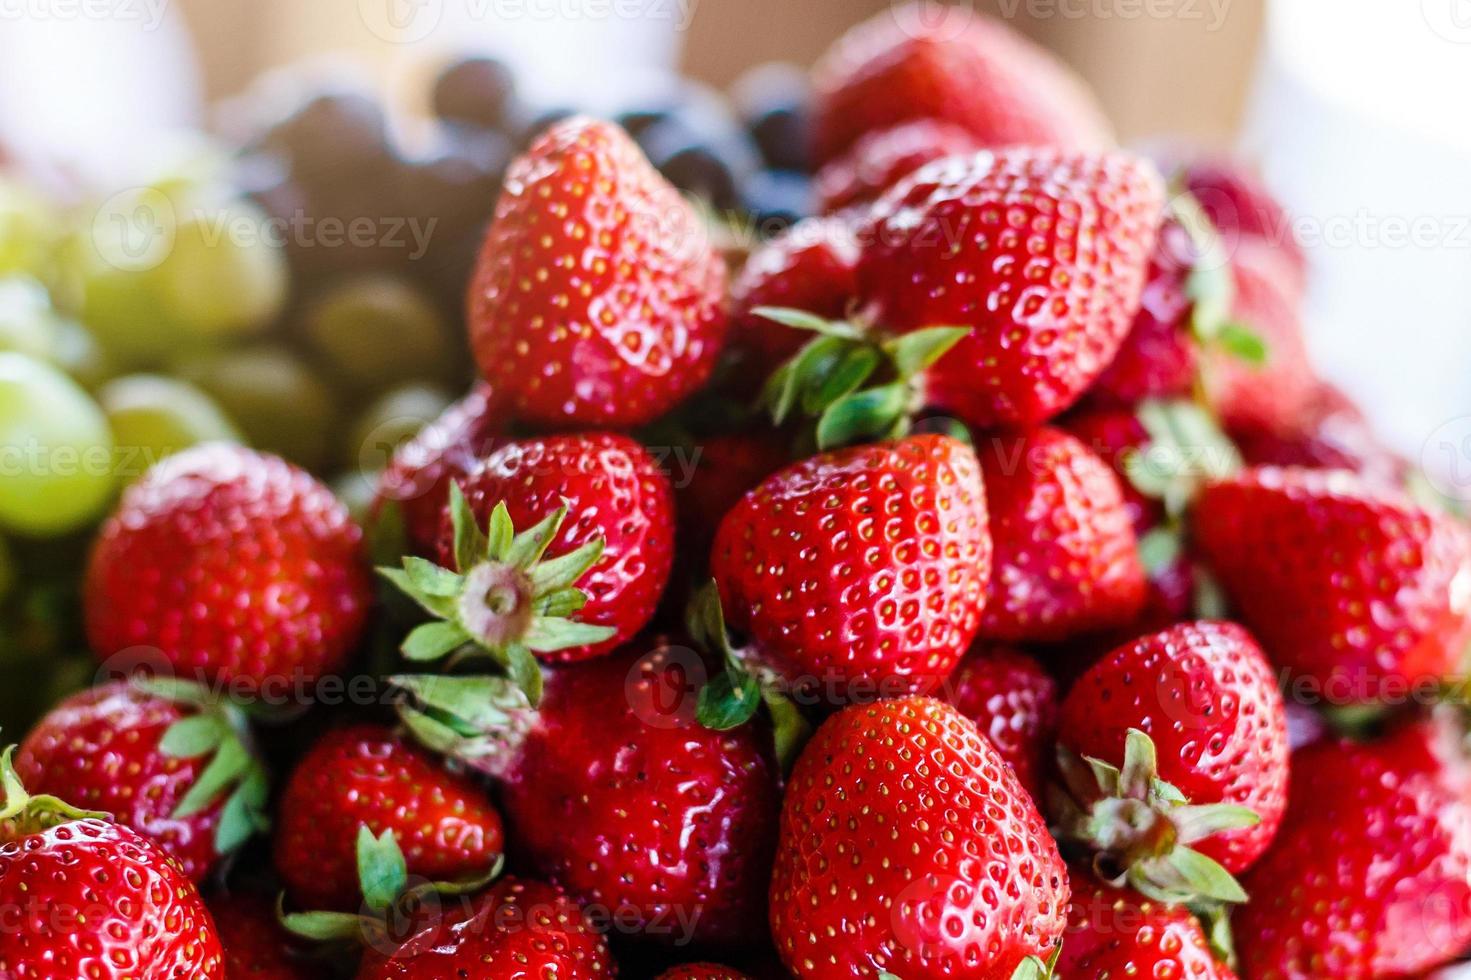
x,y
860,567
923,61
908,846
597,298
1066,556
1206,696
233,566
95,899
1041,252
1364,592
366,776
880,159
614,489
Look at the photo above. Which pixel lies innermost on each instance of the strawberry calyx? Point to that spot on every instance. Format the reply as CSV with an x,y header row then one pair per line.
x,y
393,905
826,379
1185,450
501,599
22,814
732,697
220,731
1210,287
1139,828
481,721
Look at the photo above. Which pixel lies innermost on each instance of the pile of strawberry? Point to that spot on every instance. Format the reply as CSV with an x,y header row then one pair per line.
x,y
1045,616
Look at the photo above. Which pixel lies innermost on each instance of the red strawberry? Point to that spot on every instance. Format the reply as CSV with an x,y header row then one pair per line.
x,y
926,61
366,777
419,475
1206,697
860,571
1333,434
724,469
1242,208
613,491
1041,253
1114,434
1371,873
1349,587
810,266
236,566
144,758
255,945
88,898
1118,933
880,159
908,846
1013,702
702,971
1066,557
517,928
597,299
611,790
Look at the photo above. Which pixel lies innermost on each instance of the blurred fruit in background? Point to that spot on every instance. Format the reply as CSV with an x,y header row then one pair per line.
x,y
153,416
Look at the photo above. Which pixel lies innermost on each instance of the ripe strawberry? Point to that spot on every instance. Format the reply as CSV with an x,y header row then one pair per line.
x,y
880,159
1205,696
613,491
1040,252
1364,592
860,571
1371,873
1116,933
1242,208
1332,435
908,846
597,299
1114,434
419,475
810,266
517,928
678,820
702,971
726,467
255,945
236,566
164,761
88,898
913,62
1013,702
366,777
1066,558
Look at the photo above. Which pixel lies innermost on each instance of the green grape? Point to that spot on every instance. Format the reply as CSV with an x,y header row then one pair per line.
x,y
27,321
224,277
79,355
27,230
376,330
390,420
117,298
275,399
153,416
55,450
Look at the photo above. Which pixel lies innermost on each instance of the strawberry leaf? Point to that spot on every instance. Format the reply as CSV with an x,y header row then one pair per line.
x,y
917,350
728,700
192,737
1243,343
382,871
228,767
873,413
325,927
429,579
470,543
434,641
802,320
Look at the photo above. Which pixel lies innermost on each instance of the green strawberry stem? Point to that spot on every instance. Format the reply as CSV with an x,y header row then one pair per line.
x,y
732,697
22,814
501,599
826,379
1210,287
1186,449
1139,828
482,721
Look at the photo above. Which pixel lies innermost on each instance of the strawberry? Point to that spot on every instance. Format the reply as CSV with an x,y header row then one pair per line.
x,y
1332,435
724,468
1242,208
810,266
1364,592
597,299
1066,557
237,567
1370,875
860,571
518,928
1040,253
255,945
925,61
1115,434
1204,695
613,491
1117,933
881,158
702,971
418,476
1013,702
677,822
87,898
908,846
366,777
161,758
